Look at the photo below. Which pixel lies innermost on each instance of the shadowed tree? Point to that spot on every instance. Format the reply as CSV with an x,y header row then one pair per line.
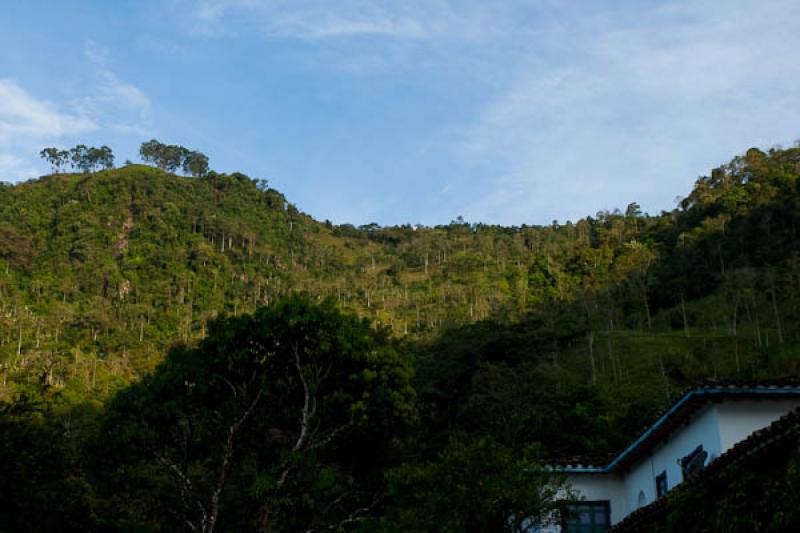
x,y
277,421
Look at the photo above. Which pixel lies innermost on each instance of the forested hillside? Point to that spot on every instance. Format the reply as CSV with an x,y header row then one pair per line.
x,y
568,336
102,271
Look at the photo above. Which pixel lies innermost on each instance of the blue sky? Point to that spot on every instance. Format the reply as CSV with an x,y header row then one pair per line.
x,y
412,111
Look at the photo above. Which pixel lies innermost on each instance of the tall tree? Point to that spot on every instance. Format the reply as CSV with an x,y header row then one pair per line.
x,y
79,156
195,163
53,156
102,157
150,150
298,399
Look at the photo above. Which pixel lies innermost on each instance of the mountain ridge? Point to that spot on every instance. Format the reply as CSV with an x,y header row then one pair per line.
x,y
116,265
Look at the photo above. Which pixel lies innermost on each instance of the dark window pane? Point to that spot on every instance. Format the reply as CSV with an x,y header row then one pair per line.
x,y
590,517
661,484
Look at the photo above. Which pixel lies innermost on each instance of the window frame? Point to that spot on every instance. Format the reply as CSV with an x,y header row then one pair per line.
x,y
662,477
566,526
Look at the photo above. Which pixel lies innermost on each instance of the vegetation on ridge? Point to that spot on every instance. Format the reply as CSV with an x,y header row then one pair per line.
x,y
568,337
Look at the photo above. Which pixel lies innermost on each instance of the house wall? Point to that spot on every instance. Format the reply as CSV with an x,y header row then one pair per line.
x,y
704,429
718,427
738,419
601,487
590,487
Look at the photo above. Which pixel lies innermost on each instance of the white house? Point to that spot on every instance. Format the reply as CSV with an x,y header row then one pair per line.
x,y
701,425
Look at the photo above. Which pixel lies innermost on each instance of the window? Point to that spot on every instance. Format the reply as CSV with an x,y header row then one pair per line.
x,y
641,501
661,484
588,517
694,462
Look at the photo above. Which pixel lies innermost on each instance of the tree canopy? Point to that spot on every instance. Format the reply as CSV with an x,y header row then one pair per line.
x,y
444,363
279,421
171,157
81,157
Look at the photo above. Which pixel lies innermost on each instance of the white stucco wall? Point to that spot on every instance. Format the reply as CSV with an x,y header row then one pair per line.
x,y
717,426
589,487
623,492
601,487
739,418
702,429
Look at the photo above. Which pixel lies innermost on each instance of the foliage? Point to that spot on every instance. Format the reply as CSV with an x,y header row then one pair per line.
x,y
277,422
40,480
569,336
195,163
473,485
81,157
748,498
170,157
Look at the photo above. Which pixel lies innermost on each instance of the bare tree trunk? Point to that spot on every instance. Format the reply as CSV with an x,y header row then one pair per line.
x,y
683,313
735,317
647,309
590,338
753,312
775,309
610,345
227,456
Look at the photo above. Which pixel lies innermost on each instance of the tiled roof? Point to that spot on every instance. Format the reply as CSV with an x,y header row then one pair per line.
x,y
758,443
676,414
580,461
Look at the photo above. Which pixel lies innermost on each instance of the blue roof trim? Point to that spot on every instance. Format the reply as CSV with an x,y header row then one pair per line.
x,y
675,407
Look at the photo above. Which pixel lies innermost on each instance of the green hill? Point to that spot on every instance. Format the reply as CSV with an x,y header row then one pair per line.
x,y
123,406
101,272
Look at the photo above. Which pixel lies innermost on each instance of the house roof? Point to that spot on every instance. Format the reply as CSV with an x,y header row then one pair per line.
x,y
679,413
762,443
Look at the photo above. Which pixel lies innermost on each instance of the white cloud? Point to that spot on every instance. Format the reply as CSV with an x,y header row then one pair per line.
x,y
128,107
322,19
15,167
595,104
96,54
27,122
24,116
634,109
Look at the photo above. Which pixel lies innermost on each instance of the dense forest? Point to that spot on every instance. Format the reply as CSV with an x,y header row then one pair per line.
x,y
197,353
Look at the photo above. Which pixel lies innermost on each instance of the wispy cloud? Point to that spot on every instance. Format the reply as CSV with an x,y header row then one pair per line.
x,y
595,104
505,111
121,105
26,121
322,19
22,115
635,109
13,167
